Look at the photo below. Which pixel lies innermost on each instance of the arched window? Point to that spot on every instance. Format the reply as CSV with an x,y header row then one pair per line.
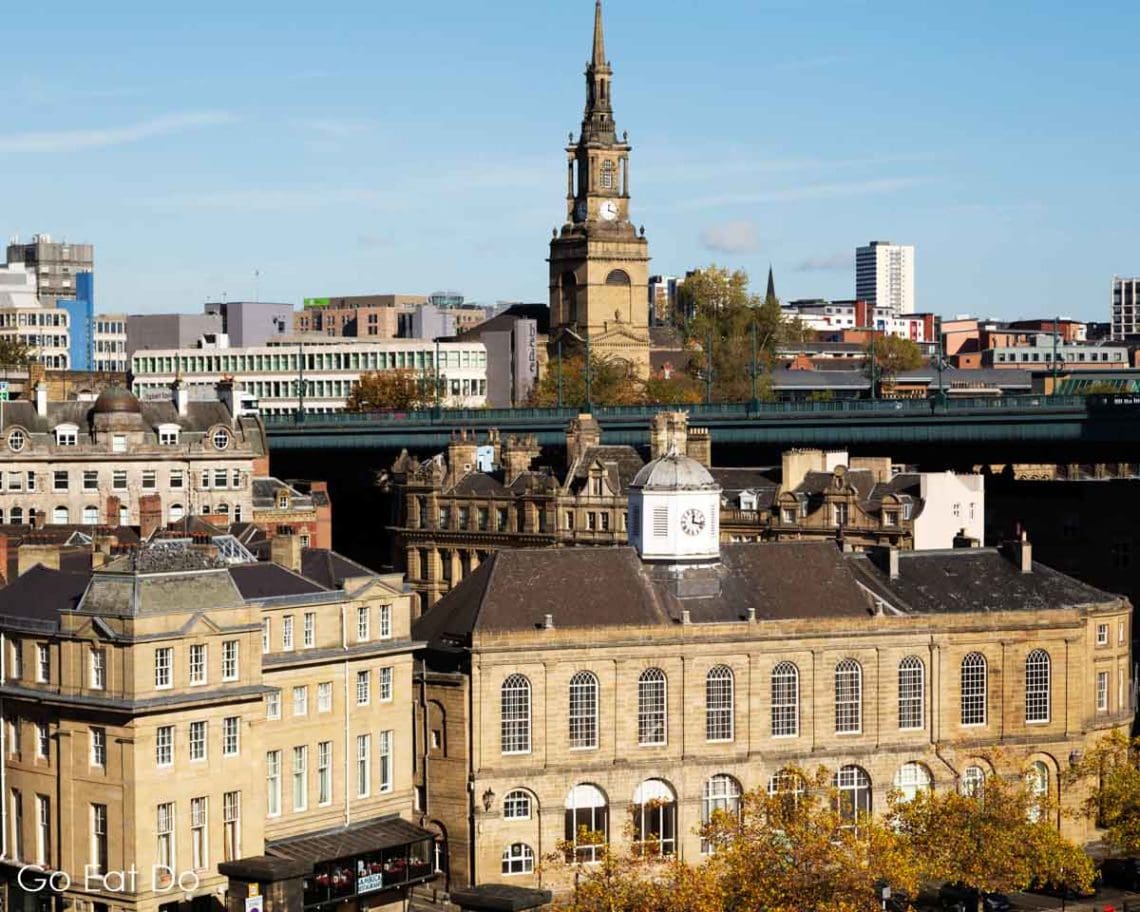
x,y
1037,686
722,793
719,721
854,794
655,818
973,688
223,509
17,517
651,707
618,277
90,516
59,516
911,692
785,700
973,781
848,697
518,858
913,778
1037,781
515,713
587,823
124,515
517,805
583,710
176,512
787,782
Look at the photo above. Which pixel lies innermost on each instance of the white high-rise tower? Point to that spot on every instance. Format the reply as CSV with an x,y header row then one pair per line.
x,y
884,275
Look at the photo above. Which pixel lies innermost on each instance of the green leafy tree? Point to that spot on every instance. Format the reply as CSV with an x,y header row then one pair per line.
x,y
727,321
893,355
612,382
400,389
15,353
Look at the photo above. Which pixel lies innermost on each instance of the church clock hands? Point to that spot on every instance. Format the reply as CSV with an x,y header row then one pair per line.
x,y
692,522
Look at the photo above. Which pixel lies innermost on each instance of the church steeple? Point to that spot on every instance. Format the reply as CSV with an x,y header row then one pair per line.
x,y
598,122
599,37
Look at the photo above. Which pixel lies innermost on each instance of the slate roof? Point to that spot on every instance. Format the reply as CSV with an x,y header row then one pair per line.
x,y
268,580
39,595
622,465
972,580
265,492
733,481
329,569
479,484
513,590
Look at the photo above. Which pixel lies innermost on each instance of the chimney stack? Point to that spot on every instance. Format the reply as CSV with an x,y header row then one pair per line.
x,y
1020,551
548,622
893,563
42,399
286,551
180,395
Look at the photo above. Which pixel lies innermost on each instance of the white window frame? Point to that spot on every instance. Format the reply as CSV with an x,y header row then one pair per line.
x,y
912,694
301,700
300,777
785,686
363,765
973,686
287,633
199,833
324,773
164,667
1102,691
231,825
164,746
386,750
198,663
1038,687
273,783
198,740
98,756
324,696
848,697
515,715
720,705
309,630
363,626
231,736
582,717
385,684
652,708
385,622
231,651
273,705
363,688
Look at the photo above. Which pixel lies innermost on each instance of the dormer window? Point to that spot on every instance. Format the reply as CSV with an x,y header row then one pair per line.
x,y
168,434
221,439
66,435
596,487
283,502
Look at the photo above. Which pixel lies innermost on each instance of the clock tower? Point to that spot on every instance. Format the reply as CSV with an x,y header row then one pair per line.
x,y
599,262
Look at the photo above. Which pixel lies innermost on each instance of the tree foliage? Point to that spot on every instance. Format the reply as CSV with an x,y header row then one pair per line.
x,y
612,382
15,353
727,321
401,389
1111,771
893,355
1001,839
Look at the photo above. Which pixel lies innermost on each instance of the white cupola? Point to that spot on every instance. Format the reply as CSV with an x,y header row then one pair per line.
x,y
674,511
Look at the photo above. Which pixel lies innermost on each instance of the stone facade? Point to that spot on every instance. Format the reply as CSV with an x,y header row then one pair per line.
x,y
634,703
117,461
169,709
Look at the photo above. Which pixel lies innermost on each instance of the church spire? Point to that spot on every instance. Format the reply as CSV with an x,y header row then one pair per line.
x,y
599,59
771,295
598,122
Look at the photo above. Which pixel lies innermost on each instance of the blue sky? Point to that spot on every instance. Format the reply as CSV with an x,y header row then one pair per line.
x,y
352,147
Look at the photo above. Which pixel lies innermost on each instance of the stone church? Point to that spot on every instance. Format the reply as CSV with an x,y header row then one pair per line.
x,y
599,262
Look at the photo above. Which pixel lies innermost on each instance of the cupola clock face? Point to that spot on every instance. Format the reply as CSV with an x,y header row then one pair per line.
x,y
693,522
609,210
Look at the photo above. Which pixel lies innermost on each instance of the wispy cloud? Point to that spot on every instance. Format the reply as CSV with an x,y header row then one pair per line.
x,y
731,237
373,241
331,128
272,199
100,137
830,262
807,192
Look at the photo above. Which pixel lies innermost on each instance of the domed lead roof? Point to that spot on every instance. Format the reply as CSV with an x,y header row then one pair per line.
x,y
116,399
674,472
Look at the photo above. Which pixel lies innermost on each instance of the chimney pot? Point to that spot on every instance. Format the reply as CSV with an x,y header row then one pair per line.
x,y
686,617
548,622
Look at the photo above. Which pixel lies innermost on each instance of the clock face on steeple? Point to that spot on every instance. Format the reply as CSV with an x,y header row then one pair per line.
x,y
609,210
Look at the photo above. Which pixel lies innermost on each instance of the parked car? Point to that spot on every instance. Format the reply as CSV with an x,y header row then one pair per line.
x,y
1121,872
1067,892
960,898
